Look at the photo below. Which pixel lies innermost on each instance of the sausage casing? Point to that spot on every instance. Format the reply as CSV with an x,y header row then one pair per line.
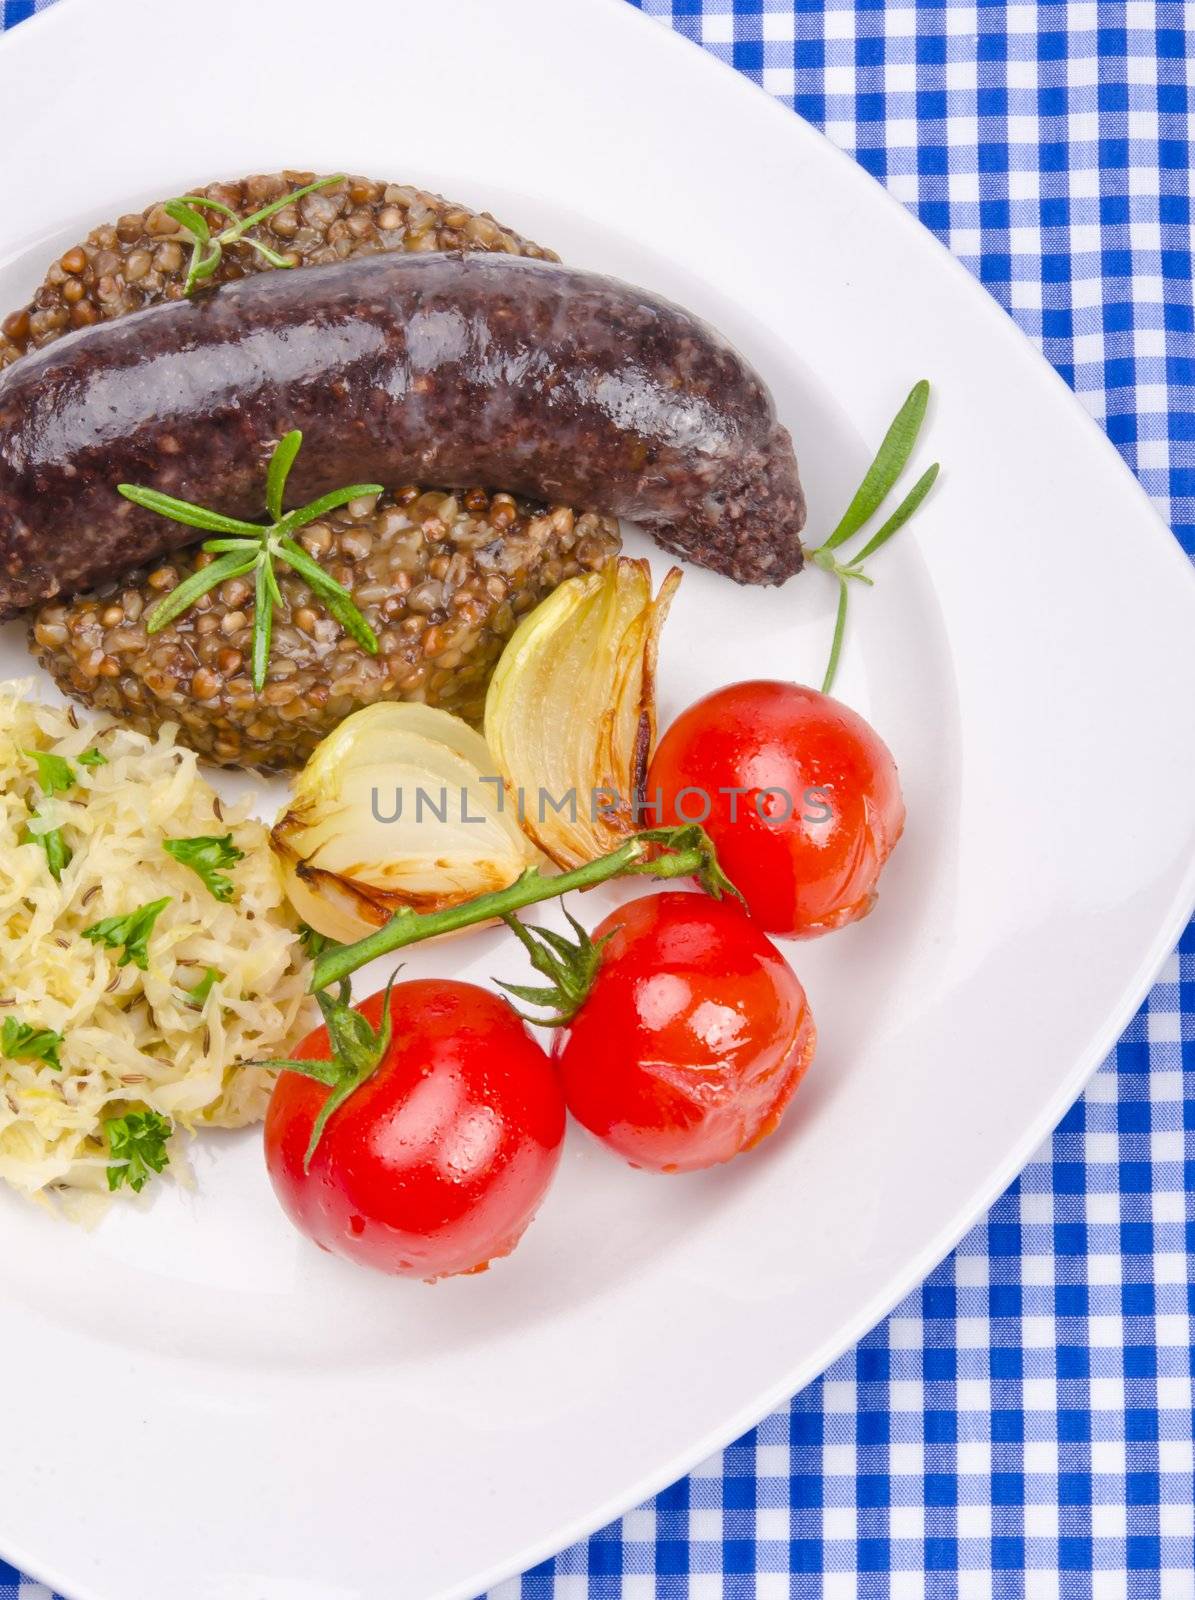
x,y
448,369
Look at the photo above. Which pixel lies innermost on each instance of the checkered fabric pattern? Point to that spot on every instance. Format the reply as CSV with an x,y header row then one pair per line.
x,y
1021,1427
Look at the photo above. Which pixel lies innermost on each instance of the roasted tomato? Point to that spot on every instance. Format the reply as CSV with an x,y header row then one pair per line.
x,y
799,795
692,1038
436,1160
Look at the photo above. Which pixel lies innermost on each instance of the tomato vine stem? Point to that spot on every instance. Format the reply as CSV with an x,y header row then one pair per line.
x,y
685,852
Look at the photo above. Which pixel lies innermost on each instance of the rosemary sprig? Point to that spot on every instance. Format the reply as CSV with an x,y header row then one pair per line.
x,y
207,250
248,547
880,479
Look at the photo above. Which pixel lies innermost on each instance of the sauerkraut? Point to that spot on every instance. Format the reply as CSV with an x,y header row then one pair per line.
x,y
225,979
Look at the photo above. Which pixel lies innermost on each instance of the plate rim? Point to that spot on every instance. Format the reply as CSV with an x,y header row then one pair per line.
x,y
1117,1016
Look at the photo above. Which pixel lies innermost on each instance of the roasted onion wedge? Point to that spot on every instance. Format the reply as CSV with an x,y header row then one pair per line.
x,y
570,713
392,811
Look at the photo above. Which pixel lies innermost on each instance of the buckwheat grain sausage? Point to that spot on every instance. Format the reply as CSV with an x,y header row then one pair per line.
x,y
446,369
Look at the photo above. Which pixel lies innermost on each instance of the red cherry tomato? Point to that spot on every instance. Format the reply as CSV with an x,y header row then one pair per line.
x,y
436,1163
804,802
692,1039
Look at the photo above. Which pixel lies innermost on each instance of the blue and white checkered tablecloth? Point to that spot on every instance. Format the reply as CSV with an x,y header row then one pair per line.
x,y
1022,1425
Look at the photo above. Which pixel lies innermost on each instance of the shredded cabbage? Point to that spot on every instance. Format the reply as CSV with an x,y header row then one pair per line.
x,y
131,1040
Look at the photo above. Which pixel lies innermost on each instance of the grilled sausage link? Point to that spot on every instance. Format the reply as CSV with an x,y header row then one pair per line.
x,y
448,369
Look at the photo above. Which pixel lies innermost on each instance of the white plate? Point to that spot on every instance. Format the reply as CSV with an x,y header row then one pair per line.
x,y
198,1403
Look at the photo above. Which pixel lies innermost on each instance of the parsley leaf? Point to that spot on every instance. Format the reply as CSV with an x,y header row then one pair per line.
x,y
205,855
56,776
204,987
132,932
93,758
137,1145
20,1041
54,773
58,852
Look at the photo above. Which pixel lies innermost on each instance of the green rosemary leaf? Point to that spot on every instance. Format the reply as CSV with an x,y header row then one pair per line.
x,y
208,204
182,212
354,624
890,461
272,583
263,250
183,511
194,587
282,460
336,598
351,620
280,205
309,569
901,515
263,626
326,502
239,542
192,278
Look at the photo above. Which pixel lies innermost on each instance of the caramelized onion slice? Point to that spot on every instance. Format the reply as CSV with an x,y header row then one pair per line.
x,y
391,811
570,715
